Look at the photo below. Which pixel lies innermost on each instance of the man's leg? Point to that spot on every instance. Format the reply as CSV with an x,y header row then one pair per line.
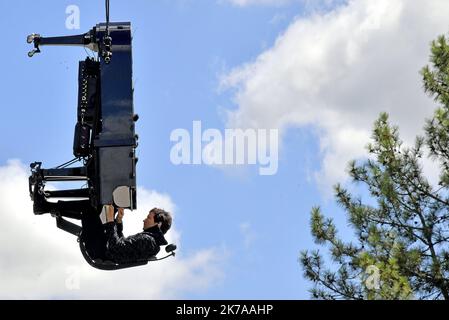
x,y
71,209
68,209
94,235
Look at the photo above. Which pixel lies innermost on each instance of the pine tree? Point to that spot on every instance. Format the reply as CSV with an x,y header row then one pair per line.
x,y
401,248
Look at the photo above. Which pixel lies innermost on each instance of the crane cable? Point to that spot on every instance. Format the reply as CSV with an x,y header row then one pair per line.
x,y
107,17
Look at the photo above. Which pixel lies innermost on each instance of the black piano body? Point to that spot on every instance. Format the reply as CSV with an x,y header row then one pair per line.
x,y
105,140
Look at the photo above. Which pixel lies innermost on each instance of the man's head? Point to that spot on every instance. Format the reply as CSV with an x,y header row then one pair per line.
x,y
158,217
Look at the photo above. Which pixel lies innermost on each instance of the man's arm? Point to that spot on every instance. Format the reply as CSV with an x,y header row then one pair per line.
x,y
119,222
133,248
113,228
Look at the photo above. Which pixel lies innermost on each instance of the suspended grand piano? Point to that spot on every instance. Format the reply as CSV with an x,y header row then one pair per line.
x,y
105,139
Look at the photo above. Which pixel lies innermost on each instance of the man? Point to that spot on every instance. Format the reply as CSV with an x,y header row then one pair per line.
x,y
139,247
106,241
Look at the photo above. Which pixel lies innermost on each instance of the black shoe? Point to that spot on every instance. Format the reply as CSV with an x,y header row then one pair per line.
x,y
40,205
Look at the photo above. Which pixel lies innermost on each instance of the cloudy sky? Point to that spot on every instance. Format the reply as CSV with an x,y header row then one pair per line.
x,y
318,71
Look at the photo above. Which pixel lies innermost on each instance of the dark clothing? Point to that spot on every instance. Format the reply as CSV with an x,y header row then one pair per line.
x,y
140,247
93,233
72,209
107,242
94,237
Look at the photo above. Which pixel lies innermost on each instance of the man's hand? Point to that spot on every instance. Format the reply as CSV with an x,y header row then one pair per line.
x,y
120,215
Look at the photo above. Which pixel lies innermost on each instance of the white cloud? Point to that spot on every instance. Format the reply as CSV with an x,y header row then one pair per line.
x,y
308,4
337,71
39,261
244,3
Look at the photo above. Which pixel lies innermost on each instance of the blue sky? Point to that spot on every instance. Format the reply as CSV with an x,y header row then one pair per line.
x,y
182,52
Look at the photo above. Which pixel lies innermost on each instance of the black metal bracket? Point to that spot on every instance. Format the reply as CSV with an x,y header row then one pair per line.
x,y
85,40
67,226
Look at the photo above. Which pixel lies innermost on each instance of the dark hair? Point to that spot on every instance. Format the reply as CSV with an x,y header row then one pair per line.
x,y
164,218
